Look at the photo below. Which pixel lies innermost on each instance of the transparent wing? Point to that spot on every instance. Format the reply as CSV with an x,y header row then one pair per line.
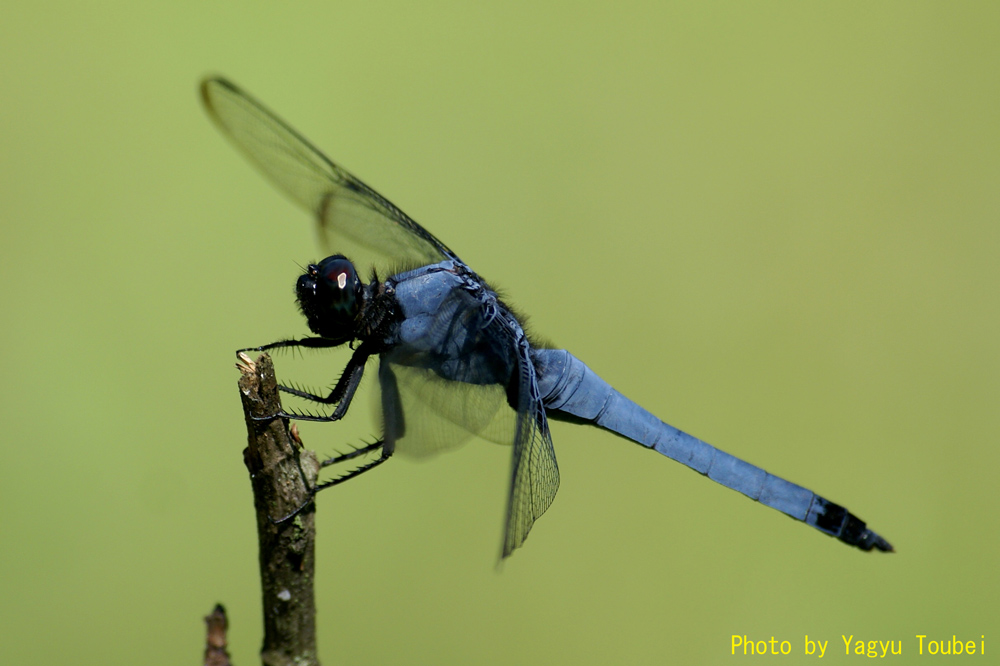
x,y
472,375
534,473
439,415
353,219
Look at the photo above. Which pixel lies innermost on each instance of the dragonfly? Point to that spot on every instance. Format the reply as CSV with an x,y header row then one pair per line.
x,y
454,359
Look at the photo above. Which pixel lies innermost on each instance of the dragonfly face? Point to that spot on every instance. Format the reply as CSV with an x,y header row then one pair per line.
x,y
330,296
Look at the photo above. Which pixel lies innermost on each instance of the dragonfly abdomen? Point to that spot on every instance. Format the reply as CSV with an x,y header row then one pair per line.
x,y
570,388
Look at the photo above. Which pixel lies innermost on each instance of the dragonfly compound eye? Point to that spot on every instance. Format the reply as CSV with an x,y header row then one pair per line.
x,y
341,287
329,296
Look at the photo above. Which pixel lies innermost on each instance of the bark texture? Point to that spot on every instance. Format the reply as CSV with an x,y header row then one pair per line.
x,y
281,472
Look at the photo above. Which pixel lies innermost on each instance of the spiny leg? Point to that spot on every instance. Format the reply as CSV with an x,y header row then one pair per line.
x,y
306,394
342,393
386,454
310,343
358,358
341,457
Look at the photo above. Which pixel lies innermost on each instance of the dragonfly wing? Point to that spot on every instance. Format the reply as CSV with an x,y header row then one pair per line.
x,y
452,379
471,372
439,415
353,219
534,476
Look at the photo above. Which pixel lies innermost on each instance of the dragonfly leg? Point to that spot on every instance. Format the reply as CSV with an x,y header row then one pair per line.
x,y
358,360
310,343
308,395
342,394
368,448
386,454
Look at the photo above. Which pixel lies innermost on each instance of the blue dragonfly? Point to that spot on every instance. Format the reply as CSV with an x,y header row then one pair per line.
x,y
453,358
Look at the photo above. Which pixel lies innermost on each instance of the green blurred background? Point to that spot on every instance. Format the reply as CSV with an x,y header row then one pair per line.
x,y
773,225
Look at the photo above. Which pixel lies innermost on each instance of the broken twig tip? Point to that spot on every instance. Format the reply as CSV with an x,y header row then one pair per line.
x,y
245,364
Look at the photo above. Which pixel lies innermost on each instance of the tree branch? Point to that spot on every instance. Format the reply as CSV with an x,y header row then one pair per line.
x,y
281,471
216,625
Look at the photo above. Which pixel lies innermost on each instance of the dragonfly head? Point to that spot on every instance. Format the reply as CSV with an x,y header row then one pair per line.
x,y
329,295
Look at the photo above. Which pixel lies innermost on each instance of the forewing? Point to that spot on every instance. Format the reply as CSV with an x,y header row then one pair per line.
x,y
353,219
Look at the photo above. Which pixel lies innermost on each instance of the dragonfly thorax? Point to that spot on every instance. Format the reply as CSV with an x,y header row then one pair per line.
x,y
329,295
